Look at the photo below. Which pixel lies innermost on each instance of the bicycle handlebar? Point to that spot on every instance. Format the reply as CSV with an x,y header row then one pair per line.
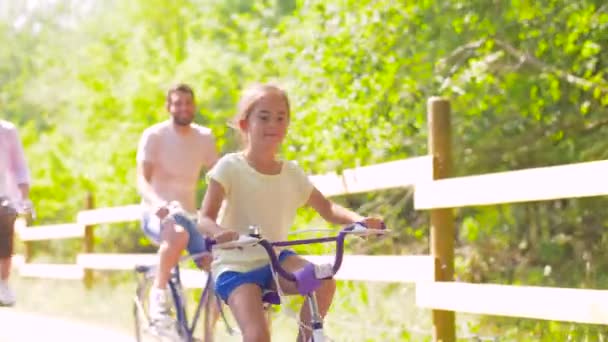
x,y
21,209
248,241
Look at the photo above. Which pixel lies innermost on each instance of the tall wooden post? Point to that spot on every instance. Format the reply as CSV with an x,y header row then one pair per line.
x,y
28,251
88,241
442,220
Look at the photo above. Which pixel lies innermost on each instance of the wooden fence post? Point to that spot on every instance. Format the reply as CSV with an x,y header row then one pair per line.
x,y
88,242
442,220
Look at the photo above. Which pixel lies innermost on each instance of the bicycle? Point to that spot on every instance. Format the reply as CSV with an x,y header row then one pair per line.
x,y
308,279
145,328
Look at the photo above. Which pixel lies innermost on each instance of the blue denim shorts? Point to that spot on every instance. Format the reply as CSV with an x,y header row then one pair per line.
x,y
228,281
151,226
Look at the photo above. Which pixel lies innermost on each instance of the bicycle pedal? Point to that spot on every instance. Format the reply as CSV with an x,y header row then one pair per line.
x,y
162,333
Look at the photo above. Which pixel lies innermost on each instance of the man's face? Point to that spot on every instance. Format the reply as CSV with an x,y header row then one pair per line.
x,y
181,107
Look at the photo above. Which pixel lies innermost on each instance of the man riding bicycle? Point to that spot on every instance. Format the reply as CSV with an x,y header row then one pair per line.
x,y
170,158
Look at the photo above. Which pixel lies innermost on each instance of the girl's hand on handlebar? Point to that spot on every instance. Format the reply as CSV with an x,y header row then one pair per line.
x,y
226,236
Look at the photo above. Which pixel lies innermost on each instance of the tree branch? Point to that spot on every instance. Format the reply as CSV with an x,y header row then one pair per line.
x,y
456,57
458,54
530,59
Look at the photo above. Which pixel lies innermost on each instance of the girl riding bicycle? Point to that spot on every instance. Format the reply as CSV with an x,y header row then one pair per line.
x,y
256,187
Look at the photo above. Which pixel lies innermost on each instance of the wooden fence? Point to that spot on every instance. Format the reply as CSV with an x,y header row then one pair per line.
x,y
433,274
402,173
546,183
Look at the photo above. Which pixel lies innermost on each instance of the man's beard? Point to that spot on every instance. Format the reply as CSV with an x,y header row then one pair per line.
x,y
181,121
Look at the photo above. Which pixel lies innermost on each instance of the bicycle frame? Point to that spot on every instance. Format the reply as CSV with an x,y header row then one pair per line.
x,y
185,327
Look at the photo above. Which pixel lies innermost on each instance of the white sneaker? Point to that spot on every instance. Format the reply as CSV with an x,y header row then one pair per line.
x,y
161,320
7,296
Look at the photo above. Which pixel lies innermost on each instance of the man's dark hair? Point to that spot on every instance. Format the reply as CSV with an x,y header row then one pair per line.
x,y
180,87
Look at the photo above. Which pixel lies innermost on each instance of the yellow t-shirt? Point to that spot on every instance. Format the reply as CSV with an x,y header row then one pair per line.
x,y
253,198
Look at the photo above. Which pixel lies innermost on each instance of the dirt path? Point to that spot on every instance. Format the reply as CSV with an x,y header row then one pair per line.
x,y
18,326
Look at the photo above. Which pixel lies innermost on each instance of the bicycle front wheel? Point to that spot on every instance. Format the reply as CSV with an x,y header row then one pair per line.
x,y
147,330
141,318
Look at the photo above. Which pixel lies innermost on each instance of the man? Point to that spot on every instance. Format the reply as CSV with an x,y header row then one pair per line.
x,y
170,158
14,196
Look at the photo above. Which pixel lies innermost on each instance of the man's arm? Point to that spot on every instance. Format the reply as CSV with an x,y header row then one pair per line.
x,y
24,189
19,166
146,156
145,170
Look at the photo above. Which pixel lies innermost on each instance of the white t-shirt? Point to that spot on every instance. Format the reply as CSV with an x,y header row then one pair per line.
x,y
13,167
178,160
253,198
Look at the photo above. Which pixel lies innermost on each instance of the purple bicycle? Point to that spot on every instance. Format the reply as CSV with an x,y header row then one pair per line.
x,y
308,278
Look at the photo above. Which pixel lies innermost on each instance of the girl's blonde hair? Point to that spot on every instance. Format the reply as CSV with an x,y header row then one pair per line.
x,y
250,97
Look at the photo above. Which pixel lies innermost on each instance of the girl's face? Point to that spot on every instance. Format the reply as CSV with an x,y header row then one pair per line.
x,y
267,122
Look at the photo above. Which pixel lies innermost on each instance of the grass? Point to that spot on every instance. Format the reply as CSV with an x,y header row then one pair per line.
x,y
107,304
361,312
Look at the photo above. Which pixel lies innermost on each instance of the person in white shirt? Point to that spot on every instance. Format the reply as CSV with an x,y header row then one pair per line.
x,y
14,197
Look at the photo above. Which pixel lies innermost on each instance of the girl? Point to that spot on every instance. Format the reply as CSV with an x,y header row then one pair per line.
x,y
255,187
